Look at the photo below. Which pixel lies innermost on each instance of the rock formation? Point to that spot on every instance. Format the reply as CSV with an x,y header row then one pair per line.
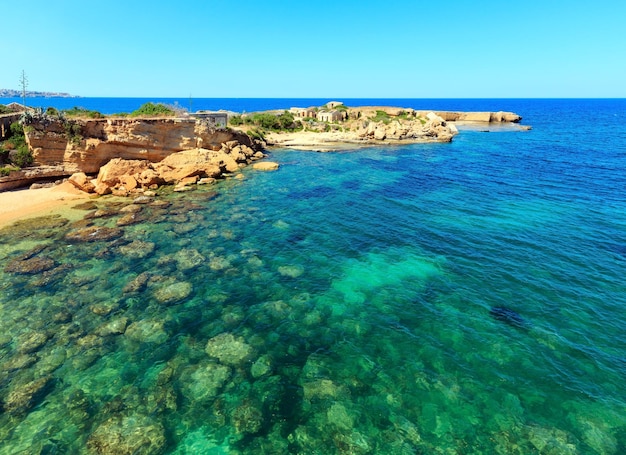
x,y
86,145
63,147
122,177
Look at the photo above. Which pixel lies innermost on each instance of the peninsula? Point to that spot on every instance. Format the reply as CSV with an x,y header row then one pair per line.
x,y
336,126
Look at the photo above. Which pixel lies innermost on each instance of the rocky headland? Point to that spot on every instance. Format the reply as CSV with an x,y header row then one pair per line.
x,y
378,125
129,155
151,151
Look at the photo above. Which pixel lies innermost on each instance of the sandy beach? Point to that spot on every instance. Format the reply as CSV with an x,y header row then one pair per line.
x,y
19,204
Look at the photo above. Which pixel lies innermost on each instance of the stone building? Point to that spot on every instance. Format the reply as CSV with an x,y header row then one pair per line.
x,y
333,104
300,112
331,116
216,119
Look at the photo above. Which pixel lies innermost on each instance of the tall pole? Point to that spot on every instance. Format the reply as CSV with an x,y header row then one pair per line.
x,y
24,84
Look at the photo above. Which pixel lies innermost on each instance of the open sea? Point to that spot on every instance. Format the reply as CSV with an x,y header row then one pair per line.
x,y
461,298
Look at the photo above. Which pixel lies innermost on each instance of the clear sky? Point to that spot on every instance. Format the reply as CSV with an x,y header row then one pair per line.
x,y
323,48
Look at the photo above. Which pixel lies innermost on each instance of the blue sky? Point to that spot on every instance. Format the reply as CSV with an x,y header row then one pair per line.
x,y
340,48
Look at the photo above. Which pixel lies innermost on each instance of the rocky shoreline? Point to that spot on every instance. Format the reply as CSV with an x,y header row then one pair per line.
x,y
384,125
149,152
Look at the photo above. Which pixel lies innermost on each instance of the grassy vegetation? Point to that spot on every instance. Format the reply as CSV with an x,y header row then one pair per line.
x,y
153,110
268,121
4,109
381,116
256,134
82,113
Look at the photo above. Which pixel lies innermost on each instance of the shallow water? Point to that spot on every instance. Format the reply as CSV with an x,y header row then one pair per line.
x,y
342,304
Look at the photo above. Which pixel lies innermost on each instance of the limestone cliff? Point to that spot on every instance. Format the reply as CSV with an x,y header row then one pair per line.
x,y
85,145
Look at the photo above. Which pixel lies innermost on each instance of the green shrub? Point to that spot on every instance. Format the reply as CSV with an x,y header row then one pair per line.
x,y
153,110
6,170
4,156
256,134
236,120
23,157
82,112
381,116
4,109
73,132
16,129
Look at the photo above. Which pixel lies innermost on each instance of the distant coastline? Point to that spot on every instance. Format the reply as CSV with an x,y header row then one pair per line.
x,y
10,93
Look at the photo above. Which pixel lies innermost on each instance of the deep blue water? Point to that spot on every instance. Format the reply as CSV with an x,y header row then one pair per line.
x,y
432,298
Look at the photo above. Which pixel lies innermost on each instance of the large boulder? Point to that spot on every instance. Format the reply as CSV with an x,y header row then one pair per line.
x,y
188,163
265,166
116,171
81,181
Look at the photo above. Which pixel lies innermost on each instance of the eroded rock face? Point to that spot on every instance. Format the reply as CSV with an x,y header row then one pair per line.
x,y
100,140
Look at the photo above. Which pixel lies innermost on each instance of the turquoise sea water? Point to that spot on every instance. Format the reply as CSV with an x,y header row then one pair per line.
x,y
439,298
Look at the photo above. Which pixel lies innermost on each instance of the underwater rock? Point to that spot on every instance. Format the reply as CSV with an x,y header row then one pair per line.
x,y
266,166
52,360
204,382
247,419
19,362
217,263
89,205
31,342
137,249
29,266
322,389
508,316
25,396
131,208
291,271
552,441
101,213
138,283
129,219
42,227
229,349
104,309
173,292
128,435
62,316
114,327
93,234
147,331
145,199
261,367
338,417
188,259
159,203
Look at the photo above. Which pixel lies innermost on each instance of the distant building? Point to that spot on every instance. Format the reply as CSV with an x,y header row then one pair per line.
x,y
331,116
333,104
216,119
308,112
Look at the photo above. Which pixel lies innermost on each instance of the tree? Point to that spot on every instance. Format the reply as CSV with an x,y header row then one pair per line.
x,y
23,84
